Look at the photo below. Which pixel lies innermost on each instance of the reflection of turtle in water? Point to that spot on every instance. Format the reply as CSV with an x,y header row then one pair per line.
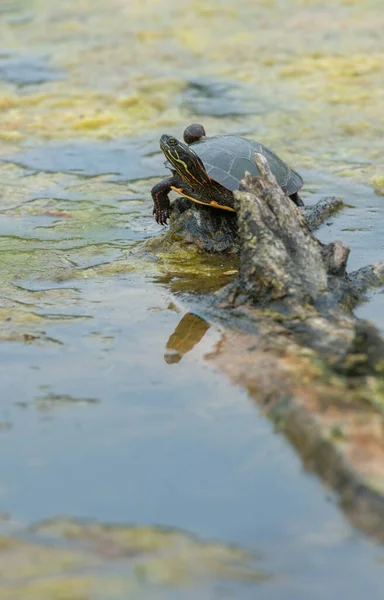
x,y
210,172
190,330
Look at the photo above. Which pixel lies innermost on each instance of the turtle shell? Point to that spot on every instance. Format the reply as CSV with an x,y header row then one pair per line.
x,y
227,158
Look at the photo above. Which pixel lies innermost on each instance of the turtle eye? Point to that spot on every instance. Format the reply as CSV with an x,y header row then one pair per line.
x,y
172,141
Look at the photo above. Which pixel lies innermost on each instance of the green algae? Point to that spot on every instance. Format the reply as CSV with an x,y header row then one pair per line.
x,y
71,559
186,268
292,56
314,95
108,93
51,401
378,184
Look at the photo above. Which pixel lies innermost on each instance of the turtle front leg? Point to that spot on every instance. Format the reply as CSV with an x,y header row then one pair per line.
x,y
162,206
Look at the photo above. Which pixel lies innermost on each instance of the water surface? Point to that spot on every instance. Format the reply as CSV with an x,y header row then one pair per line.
x,y
108,413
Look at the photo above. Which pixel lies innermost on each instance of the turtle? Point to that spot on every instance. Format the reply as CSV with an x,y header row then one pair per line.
x,y
209,169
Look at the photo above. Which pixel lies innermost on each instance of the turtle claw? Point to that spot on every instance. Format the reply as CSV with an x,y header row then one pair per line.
x,y
161,208
161,215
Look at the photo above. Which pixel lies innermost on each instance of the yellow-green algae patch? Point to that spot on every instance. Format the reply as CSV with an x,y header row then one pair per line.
x,y
378,184
307,62
187,268
70,559
311,72
54,230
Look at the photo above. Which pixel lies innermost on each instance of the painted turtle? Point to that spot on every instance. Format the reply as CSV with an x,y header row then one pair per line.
x,y
210,172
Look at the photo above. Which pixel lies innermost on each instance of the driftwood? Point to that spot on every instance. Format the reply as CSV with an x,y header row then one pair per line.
x,y
286,270
216,231
291,338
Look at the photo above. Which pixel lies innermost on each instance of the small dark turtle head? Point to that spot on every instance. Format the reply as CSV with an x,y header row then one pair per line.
x,y
193,133
184,160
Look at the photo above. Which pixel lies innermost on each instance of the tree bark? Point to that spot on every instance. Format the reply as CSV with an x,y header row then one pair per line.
x,y
285,271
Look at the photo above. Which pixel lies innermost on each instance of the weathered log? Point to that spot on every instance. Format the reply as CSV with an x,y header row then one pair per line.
x,y
216,231
316,215
291,338
286,270
209,229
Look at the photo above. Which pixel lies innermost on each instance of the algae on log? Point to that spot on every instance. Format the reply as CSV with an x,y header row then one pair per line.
x,y
291,338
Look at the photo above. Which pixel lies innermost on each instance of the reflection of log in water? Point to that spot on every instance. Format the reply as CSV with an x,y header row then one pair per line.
x,y
296,345
188,333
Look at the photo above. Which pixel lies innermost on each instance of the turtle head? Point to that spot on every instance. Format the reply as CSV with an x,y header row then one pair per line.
x,y
184,160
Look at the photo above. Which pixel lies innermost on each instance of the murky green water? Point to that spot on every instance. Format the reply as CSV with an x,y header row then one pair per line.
x,y
108,412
